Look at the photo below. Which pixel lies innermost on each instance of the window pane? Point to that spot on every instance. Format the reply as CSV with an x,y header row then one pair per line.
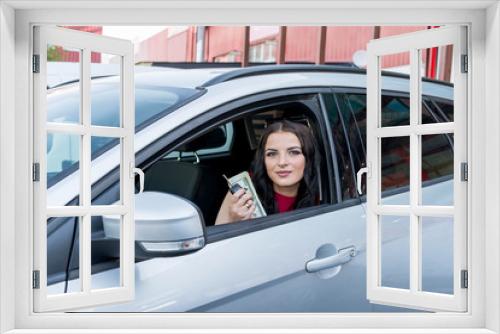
x,y
62,255
63,68
105,95
111,158
105,251
437,254
437,64
395,176
395,111
446,108
395,251
437,169
63,159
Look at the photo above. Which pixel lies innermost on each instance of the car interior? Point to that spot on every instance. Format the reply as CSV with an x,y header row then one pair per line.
x,y
199,177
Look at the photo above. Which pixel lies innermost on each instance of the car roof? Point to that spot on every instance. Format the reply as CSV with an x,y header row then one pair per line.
x,y
184,78
209,77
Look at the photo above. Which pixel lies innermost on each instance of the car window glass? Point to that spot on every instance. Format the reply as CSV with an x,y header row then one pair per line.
x,y
346,173
437,157
353,110
437,150
63,106
442,109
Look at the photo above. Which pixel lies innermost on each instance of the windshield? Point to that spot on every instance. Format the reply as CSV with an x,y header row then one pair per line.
x,y
63,106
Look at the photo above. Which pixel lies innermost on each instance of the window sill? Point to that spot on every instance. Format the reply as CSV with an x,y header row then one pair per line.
x,y
253,331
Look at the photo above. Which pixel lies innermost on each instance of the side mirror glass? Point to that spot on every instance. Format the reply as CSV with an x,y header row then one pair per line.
x,y
165,225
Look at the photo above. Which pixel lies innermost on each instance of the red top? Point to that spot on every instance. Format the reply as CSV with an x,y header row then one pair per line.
x,y
285,203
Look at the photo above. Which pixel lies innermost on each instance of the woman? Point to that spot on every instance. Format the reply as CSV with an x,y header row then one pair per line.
x,y
283,173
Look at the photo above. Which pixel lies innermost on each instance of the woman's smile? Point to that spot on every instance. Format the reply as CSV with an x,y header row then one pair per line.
x,y
283,173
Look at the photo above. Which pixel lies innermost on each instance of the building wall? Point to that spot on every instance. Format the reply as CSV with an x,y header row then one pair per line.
x,y
154,48
224,43
222,40
301,44
165,46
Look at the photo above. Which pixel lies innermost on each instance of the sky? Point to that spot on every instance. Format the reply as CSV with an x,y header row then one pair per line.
x,y
134,33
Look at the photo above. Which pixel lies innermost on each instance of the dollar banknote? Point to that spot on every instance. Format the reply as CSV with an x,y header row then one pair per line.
x,y
243,180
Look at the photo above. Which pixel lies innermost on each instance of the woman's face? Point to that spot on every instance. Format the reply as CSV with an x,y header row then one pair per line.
x,y
284,162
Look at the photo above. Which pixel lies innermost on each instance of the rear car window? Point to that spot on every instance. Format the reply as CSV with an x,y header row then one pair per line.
x,y
437,150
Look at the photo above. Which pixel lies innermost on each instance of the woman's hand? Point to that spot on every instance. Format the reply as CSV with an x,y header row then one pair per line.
x,y
235,207
241,205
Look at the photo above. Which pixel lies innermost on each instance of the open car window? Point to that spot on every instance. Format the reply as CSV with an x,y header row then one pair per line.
x,y
194,169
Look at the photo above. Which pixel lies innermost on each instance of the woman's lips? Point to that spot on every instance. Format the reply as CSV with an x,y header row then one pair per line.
x,y
284,173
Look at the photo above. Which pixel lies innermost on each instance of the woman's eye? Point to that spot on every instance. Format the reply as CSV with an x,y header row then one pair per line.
x,y
270,154
295,152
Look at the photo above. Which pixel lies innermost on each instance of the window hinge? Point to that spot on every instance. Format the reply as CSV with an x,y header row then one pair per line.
x,y
36,172
464,167
465,64
36,279
36,63
465,279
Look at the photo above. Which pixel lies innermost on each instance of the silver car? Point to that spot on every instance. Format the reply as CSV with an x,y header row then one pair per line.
x,y
193,126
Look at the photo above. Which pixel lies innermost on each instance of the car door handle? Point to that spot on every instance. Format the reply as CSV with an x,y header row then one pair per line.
x,y
344,255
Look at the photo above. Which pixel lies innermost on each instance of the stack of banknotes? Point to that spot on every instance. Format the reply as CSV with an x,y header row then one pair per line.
x,y
244,181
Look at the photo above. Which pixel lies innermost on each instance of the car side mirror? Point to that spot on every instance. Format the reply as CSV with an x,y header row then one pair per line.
x,y
165,225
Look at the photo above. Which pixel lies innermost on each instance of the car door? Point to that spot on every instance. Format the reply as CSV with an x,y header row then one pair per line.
x,y
261,266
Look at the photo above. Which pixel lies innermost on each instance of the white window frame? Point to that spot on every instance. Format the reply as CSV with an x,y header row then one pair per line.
x,y
16,19
414,296
86,43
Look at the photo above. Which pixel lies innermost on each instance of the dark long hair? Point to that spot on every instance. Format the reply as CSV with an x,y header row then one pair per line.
x,y
308,189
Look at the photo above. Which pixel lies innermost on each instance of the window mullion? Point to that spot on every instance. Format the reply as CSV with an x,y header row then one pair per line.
x,y
415,192
85,236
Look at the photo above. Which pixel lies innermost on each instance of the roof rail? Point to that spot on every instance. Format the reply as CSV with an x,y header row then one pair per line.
x,y
289,68
274,69
198,65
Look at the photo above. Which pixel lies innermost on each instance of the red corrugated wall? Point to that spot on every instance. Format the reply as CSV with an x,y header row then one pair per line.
x,y
222,40
341,43
180,46
154,48
161,47
301,44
